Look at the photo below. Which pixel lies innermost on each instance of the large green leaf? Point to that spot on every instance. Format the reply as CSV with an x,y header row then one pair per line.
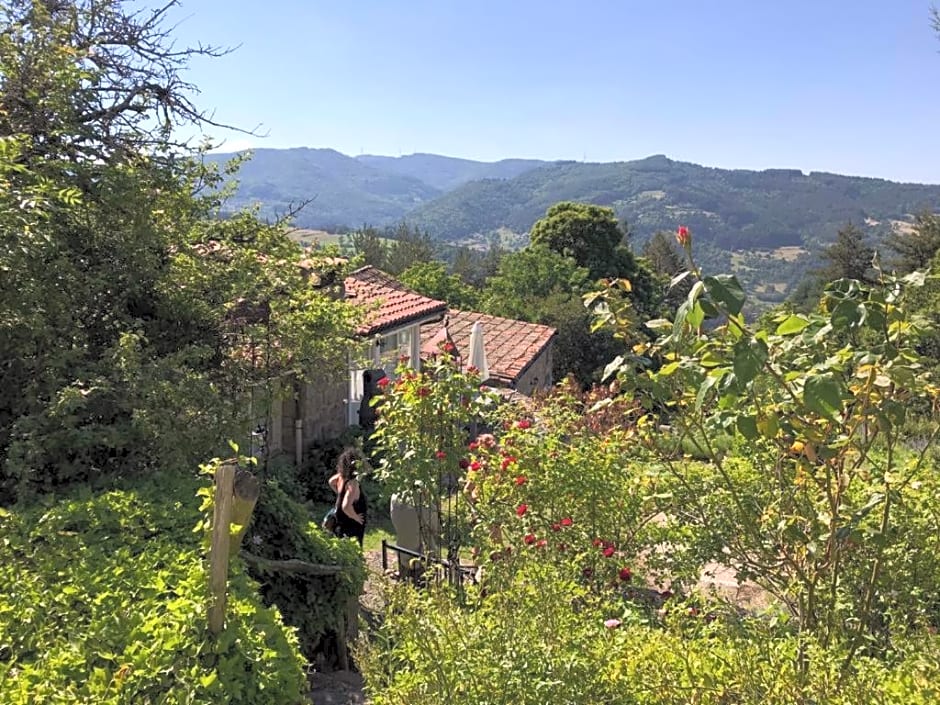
x,y
823,395
749,357
726,290
792,325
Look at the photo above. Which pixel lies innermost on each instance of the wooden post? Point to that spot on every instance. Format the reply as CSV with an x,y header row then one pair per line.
x,y
247,489
219,551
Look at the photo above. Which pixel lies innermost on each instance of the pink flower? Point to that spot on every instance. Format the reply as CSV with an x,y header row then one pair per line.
x,y
626,575
609,551
523,424
521,480
522,509
566,521
542,543
473,445
529,539
683,236
612,623
440,455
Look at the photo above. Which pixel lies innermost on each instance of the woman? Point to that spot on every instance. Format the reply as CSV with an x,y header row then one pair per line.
x,y
350,500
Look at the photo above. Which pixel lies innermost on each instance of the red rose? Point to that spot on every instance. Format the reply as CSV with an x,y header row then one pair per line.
x,y
522,509
626,575
475,465
463,463
542,543
383,383
609,551
523,424
529,539
507,462
566,521
521,480
556,527
440,455
473,445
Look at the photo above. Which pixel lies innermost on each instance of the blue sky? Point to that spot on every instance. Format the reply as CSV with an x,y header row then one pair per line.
x,y
849,87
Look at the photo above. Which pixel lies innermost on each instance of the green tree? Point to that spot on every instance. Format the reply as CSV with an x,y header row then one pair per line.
x,y
849,257
587,233
664,260
408,246
916,247
432,279
121,332
539,285
368,243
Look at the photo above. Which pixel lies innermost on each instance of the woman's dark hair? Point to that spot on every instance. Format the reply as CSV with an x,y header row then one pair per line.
x,y
347,463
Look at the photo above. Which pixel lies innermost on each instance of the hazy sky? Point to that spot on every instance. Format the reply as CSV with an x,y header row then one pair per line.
x,y
836,85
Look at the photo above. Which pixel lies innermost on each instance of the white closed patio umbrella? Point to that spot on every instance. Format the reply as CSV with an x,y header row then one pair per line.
x,y
478,352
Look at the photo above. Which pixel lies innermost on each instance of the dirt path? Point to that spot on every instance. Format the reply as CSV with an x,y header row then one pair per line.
x,y
346,687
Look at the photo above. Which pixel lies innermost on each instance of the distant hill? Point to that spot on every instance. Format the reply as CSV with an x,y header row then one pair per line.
x,y
447,173
464,200
346,191
732,209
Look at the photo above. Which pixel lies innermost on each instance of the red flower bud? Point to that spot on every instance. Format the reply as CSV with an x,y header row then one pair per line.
x,y
566,521
383,383
440,455
463,463
529,539
683,236
475,465
523,424
522,509
609,551
626,575
521,480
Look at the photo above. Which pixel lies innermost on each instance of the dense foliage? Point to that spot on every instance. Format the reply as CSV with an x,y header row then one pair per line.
x,y
282,529
132,319
104,602
781,458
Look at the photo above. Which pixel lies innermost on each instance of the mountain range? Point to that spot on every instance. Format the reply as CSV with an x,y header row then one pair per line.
x,y
461,200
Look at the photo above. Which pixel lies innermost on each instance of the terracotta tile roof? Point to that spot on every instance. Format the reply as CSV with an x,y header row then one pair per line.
x,y
511,346
388,302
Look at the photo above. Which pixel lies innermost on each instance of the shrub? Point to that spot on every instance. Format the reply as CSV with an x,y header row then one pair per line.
x,y
105,602
281,529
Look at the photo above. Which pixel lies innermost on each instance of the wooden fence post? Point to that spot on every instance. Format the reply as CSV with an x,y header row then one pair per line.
x,y
247,490
219,551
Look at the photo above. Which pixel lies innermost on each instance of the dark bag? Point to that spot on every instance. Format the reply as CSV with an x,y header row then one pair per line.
x,y
330,522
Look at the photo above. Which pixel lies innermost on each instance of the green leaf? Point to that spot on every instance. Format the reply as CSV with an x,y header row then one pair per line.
x,y
726,290
823,395
749,357
747,426
792,325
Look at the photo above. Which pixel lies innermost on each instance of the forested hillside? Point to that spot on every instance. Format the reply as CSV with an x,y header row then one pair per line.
x,y
446,173
734,209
